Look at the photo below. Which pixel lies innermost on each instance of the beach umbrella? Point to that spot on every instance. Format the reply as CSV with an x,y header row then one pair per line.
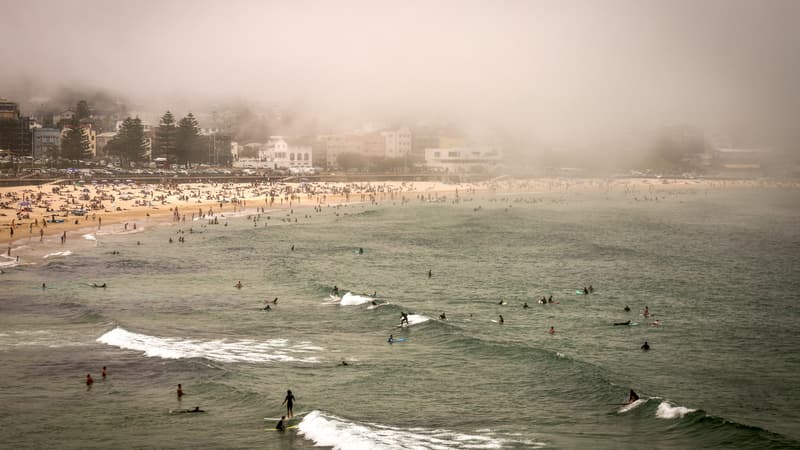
x,y
26,203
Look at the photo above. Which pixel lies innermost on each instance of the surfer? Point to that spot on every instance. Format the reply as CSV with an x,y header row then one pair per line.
x,y
344,363
280,426
289,400
645,347
646,312
525,305
550,299
430,273
632,397
180,391
627,308
501,319
103,372
275,301
442,316
585,291
391,339
336,290
267,308
403,318
627,322
552,330
591,289
360,251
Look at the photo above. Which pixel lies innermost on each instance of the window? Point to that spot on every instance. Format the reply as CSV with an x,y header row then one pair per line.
x,y
453,154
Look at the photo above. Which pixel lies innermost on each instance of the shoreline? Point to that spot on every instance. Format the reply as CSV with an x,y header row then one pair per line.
x,y
123,207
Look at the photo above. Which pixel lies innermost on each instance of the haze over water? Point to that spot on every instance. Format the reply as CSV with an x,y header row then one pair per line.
x,y
716,267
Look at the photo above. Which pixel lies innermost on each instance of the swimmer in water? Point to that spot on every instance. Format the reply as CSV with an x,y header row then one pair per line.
x,y
552,330
627,308
89,380
238,284
179,391
442,316
645,347
501,319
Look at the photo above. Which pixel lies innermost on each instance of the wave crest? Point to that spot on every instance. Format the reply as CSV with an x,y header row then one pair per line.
x,y
221,350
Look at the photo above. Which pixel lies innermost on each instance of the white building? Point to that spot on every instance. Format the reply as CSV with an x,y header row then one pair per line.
x,y
46,141
463,159
285,156
398,143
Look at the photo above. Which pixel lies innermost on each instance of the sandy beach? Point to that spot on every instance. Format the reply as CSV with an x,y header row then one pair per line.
x,y
31,213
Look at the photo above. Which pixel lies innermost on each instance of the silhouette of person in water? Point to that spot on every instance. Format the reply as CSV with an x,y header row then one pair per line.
x,y
289,401
645,347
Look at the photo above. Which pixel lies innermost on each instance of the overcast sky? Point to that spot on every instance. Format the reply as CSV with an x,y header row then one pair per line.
x,y
554,68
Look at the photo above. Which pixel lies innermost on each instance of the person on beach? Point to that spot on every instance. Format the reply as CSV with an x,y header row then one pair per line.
x,y
180,391
289,401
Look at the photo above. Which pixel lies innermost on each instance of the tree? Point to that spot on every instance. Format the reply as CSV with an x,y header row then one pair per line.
x,y
130,144
75,144
165,137
350,160
82,110
186,139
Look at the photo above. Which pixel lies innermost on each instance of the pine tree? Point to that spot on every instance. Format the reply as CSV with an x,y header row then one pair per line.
x,y
186,140
82,110
72,143
165,137
130,144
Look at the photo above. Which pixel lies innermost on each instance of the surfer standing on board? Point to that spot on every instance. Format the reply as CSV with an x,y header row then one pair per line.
x,y
403,318
289,401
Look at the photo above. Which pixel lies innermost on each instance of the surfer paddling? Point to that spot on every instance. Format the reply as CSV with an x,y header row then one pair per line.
x,y
632,397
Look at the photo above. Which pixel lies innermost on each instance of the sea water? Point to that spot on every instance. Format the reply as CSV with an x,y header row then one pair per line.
x,y
717,268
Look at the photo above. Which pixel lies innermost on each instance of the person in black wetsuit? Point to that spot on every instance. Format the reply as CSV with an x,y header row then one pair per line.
x,y
645,347
289,401
627,322
627,308
280,426
632,397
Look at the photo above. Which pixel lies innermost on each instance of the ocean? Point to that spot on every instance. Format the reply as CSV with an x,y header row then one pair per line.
x,y
717,270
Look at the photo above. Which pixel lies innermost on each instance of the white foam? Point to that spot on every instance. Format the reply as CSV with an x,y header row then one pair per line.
x,y
667,411
350,299
416,319
632,405
341,434
222,350
56,254
89,237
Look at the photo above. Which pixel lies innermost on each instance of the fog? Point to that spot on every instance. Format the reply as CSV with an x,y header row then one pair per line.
x,y
560,74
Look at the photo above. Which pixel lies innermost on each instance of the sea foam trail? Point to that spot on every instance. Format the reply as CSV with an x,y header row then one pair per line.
x,y
667,411
416,319
222,350
341,434
89,237
350,299
57,254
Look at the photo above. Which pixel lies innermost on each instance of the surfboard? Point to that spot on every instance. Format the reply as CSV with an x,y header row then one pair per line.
x,y
400,339
579,292
290,427
288,419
